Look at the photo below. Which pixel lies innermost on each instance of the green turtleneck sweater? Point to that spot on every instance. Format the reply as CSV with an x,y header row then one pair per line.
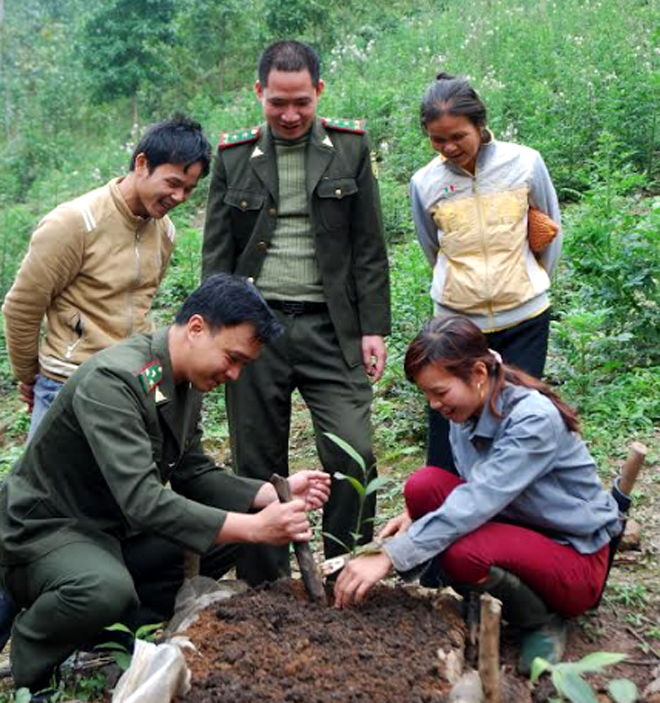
x,y
290,270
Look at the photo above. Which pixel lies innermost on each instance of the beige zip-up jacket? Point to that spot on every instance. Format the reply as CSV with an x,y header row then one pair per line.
x,y
473,230
92,269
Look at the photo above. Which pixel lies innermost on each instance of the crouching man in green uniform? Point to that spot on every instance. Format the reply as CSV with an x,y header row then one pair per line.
x,y
88,531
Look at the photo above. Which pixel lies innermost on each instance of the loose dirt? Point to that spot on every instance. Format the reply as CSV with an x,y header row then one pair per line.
x,y
271,644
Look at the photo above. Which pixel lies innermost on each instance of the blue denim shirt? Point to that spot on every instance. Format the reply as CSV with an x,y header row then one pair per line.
x,y
525,467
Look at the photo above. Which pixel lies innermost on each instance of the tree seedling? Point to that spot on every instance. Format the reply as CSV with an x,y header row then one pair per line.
x,y
122,653
568,682
363,488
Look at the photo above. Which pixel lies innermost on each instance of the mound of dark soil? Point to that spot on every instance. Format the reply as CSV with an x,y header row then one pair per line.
x,y
271,644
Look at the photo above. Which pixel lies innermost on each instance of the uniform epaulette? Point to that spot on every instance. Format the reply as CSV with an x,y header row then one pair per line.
x,y
151,375
241,136
345,125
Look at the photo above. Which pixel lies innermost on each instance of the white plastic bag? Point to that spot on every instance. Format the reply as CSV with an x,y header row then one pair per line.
x,y
158,673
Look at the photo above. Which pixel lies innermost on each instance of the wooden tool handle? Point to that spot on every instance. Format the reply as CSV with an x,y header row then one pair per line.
x,y
310,573
631,468
282,488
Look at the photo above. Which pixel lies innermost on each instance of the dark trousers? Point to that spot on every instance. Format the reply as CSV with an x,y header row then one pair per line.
x,y
524,346
69,595
306,357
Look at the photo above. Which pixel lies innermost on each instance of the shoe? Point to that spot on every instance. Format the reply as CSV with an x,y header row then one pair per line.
x,y
547,641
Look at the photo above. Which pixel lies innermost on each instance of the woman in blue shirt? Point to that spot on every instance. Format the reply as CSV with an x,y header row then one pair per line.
x,y
526,519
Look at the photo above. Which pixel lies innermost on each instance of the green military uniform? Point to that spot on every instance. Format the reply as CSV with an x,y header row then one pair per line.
x,y
320,352
92,480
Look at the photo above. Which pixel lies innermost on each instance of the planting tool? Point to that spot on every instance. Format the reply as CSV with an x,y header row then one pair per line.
x,y
331,566
624,484
310,575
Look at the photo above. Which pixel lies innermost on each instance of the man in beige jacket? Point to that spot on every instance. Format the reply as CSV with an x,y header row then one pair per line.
x,y
95,263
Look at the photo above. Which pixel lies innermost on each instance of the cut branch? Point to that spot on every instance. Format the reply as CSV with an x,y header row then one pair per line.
x,y
489,647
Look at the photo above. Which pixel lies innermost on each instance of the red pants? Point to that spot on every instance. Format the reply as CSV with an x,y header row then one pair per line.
x,y
569,582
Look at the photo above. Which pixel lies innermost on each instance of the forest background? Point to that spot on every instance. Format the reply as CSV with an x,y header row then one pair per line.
x,y
576,79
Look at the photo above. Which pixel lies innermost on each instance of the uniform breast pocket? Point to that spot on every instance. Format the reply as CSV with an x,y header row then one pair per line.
x,y
335,196
245,207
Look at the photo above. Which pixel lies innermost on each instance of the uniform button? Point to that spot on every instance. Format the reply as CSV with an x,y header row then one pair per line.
x,y
338,192
262,246
243,204
272,211
250,279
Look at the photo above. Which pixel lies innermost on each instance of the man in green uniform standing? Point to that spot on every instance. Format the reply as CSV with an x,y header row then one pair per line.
x,y
294,205
88,530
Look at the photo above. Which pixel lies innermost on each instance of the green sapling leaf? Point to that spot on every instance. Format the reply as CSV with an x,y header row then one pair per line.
x,y
539,665
144,631
341,543
348,449
375,485
623,691
596,662
353,481
576,689
118,627
122,659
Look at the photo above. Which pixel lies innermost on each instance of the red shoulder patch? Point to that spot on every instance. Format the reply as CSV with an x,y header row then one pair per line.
x,y
344,124
241,136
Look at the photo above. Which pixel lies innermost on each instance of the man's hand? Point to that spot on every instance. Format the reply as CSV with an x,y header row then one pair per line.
x,y
313,487
374,355
358,577
26,394
396,526
277,524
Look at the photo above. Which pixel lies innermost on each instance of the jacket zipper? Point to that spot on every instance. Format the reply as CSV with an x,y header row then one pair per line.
x,y
70,348
138,275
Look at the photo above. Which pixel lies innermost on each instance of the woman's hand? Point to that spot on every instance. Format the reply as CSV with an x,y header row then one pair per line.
x,y
396,526
313,487
359,576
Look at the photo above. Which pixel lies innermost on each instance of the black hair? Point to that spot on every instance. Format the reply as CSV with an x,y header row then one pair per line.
x,y
456,344
178,140
224,300
289,55
455,96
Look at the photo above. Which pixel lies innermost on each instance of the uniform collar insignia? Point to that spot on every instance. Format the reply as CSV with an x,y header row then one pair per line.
x,y
151,375
344,124
257,152
241,136
160,397
327,141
